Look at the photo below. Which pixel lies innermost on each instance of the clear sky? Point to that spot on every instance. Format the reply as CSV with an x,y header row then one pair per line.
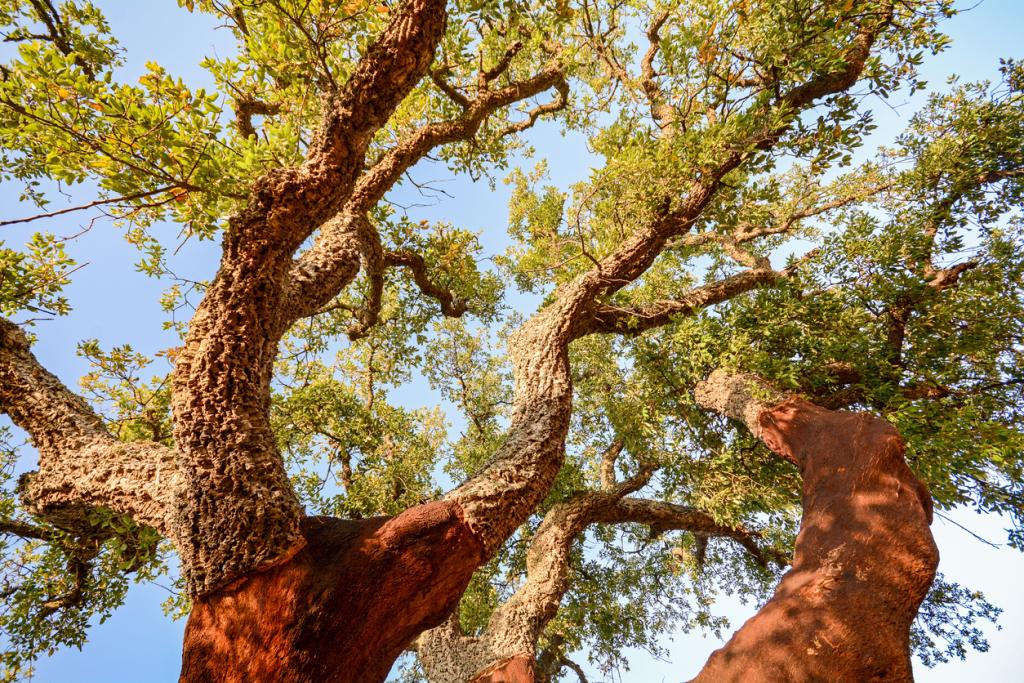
x,y
115,304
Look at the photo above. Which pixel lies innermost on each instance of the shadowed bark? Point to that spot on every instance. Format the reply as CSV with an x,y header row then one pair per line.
x,y
343,608
864,557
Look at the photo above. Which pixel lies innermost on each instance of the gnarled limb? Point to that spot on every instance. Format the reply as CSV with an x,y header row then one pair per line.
x,y
323,269
661,110
81,466
637,319
636,254
500,497
323,572
864,557
235,501
414,263
24,530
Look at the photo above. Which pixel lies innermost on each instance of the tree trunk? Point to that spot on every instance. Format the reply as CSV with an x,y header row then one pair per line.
x,y
518,669
341,609
864,557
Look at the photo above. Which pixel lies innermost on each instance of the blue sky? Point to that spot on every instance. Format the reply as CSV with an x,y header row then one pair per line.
x,y
115,304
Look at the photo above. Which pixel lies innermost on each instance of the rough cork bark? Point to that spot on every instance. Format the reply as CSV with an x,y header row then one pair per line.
x,y
286,598
864,557
507,649
235,500
80,464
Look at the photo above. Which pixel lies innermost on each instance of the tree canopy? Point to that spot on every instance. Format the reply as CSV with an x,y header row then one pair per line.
x,y
731,219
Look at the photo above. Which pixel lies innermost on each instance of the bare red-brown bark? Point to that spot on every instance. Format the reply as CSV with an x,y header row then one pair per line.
x,y
342,609
286,598
515,670
864,557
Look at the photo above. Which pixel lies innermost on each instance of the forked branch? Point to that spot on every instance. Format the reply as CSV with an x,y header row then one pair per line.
x,y
328,265
510,640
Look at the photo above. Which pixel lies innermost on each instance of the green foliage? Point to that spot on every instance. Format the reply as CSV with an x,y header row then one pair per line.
x,y
32,279
135,410
947,193
950,615
54,585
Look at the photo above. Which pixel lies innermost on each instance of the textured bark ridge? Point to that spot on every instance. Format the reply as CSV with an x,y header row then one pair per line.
x,y
236,507
342,609
80,464
502,495
864,557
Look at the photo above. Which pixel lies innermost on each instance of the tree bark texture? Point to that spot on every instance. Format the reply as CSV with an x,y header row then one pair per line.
x,y
235,507
342,609
864,557
81,465
278,596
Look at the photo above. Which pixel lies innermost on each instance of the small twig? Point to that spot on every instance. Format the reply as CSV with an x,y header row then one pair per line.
x,y
962,527
90,205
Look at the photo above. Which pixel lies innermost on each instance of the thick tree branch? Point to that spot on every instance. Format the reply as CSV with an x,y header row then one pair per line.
x,y
437,76
288,204
850,394
332,263
864,557
940,278
248,107
236,501
532,116
636,319
398,59
79,570
487,75
451,306
937,279
80,465
851,65
575,668
662,112
374,263
327,266
389,168
24,530
608,460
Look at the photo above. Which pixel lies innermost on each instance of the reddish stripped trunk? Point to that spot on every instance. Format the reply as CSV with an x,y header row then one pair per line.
x,y
864,556
342,609
514,670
